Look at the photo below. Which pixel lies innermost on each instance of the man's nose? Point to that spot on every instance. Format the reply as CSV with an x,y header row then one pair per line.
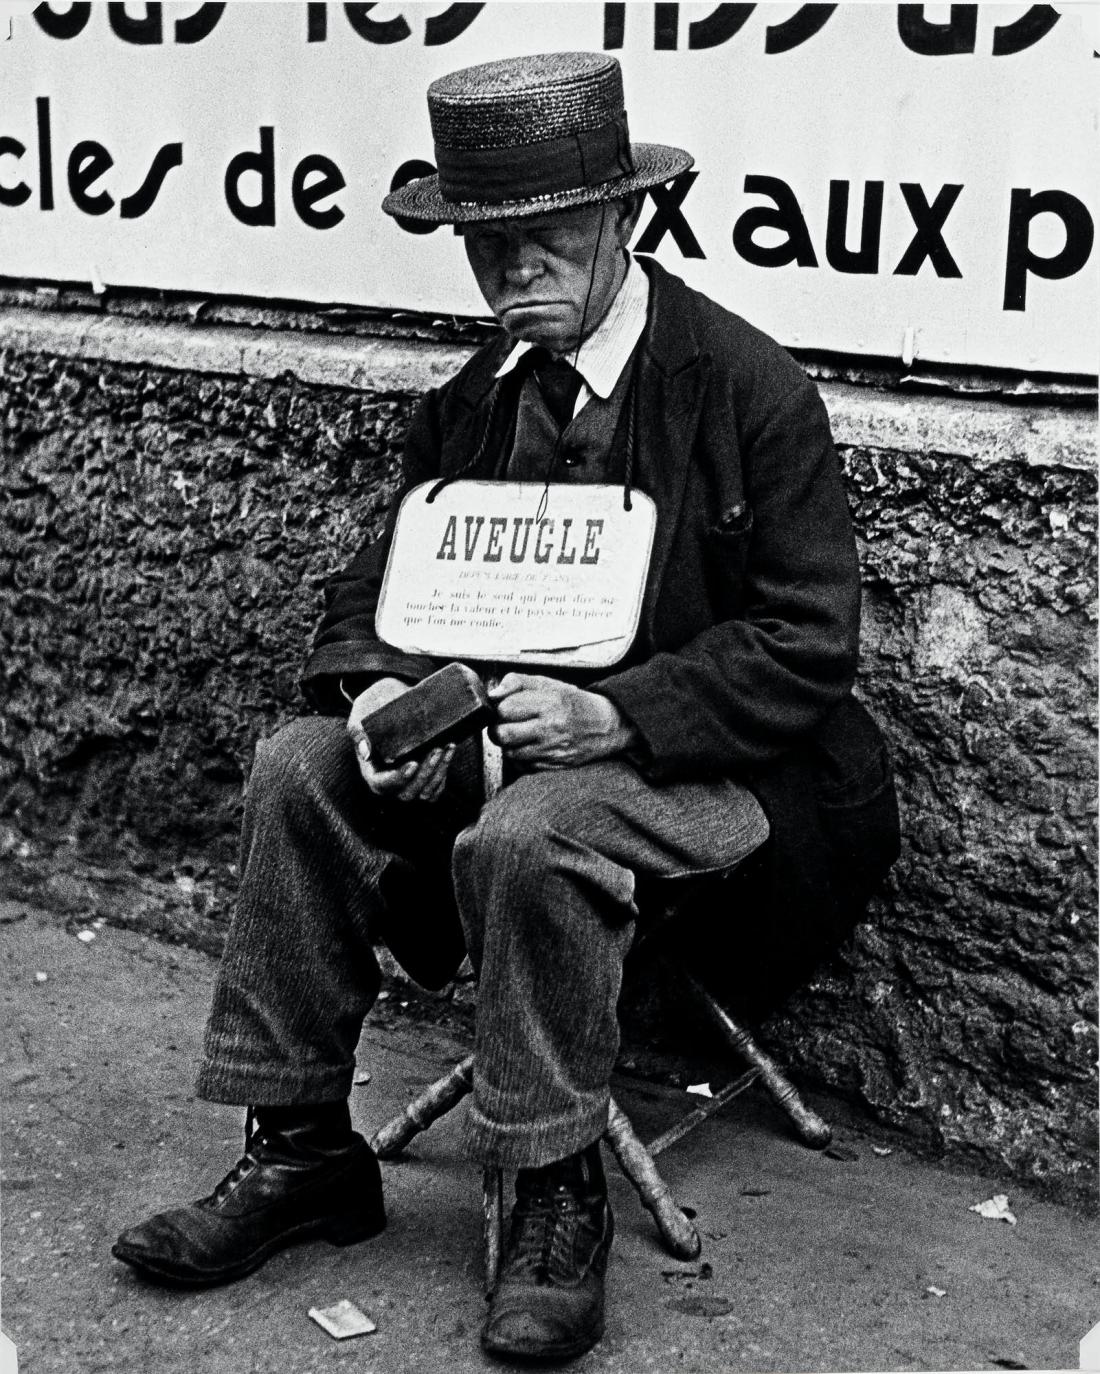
x,y
522,263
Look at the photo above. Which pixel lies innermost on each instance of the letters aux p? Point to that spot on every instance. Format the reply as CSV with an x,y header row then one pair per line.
x,y
928,241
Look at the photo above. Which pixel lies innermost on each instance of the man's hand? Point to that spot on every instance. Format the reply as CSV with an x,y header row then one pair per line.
x,y
421,781
543,723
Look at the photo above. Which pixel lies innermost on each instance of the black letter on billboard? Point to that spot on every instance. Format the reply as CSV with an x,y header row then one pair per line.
x,y
786,215
1020,260
135,205
66,25
668,219
412,170
1023,32
928,242
718,27
316,23
838,254
919,35
375,30
263,162
446,27
305,197
45,153
666,27
20,192
199,25
614,22
807,21
147,30
87,163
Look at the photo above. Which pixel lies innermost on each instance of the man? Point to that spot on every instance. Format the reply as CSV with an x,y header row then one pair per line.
x,y
724,710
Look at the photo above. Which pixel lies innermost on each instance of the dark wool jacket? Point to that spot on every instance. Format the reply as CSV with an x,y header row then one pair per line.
x,y
747,646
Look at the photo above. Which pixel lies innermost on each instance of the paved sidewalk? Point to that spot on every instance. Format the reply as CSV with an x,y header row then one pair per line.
x,y
810,1262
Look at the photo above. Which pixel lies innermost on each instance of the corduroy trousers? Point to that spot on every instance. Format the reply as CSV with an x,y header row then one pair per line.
x,y
544,876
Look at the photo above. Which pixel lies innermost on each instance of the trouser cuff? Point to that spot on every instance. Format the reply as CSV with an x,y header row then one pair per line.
x,y
253,1088
531,1145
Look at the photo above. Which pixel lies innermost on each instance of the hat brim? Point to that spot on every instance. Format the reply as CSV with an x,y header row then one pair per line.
x,y
654,164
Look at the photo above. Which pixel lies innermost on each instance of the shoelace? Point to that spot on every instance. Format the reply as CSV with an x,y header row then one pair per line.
x,y
253,1137
547,1226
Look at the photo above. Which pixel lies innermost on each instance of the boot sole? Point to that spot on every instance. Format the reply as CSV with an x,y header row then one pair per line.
x,y
335,1231
544,1355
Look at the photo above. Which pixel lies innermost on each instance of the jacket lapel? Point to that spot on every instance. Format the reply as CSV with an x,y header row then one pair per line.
x,y
671,375
465,420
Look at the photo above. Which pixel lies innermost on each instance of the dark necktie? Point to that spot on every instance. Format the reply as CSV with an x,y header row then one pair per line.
x,y
559,382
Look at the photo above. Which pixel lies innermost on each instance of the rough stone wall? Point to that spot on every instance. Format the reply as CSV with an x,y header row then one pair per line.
x,y
163,544
967,1009
166,538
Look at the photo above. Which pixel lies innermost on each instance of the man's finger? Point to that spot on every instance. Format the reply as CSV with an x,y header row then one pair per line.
x,y
432,769
400,776
415,784
524,704
517,734
509,684
534,756
383,782
426,772
436,786
396,781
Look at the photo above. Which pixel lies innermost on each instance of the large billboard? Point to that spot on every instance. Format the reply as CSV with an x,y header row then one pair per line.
x,y
907,181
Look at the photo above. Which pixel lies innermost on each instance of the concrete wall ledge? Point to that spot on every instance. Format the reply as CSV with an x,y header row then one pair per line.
x,y
978,430
383,365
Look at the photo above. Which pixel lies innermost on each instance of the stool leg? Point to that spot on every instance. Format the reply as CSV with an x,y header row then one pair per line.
x,y
679,1235
492,1222
694,1118
434,1102
811,1128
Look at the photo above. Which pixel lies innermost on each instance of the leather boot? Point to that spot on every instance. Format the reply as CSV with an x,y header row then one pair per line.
x,y
548,1303
305,1174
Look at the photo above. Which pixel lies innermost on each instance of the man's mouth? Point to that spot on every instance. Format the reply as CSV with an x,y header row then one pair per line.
x,y
527,305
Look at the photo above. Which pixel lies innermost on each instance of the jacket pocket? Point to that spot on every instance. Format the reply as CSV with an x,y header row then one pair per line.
x,y
727,551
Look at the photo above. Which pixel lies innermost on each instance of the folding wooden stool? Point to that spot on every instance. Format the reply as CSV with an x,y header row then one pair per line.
x,y
679,1235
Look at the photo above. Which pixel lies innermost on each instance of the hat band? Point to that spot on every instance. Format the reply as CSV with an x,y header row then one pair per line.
x,y
493,176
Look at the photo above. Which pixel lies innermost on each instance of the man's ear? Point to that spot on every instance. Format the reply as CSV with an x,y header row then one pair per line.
x,y
627,211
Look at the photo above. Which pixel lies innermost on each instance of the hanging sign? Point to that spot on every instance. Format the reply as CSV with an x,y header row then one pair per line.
x,y
517,572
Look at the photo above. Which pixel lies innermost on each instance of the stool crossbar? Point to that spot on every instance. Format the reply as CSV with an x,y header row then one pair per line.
x,y
678,1233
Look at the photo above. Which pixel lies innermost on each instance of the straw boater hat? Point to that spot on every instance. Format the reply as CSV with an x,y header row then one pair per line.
x,y
529,135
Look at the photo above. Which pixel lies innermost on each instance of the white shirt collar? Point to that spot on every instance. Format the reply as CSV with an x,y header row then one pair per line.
x,y
603,355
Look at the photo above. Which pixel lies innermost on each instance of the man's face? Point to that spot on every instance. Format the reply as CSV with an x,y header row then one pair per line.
x,y
537,273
